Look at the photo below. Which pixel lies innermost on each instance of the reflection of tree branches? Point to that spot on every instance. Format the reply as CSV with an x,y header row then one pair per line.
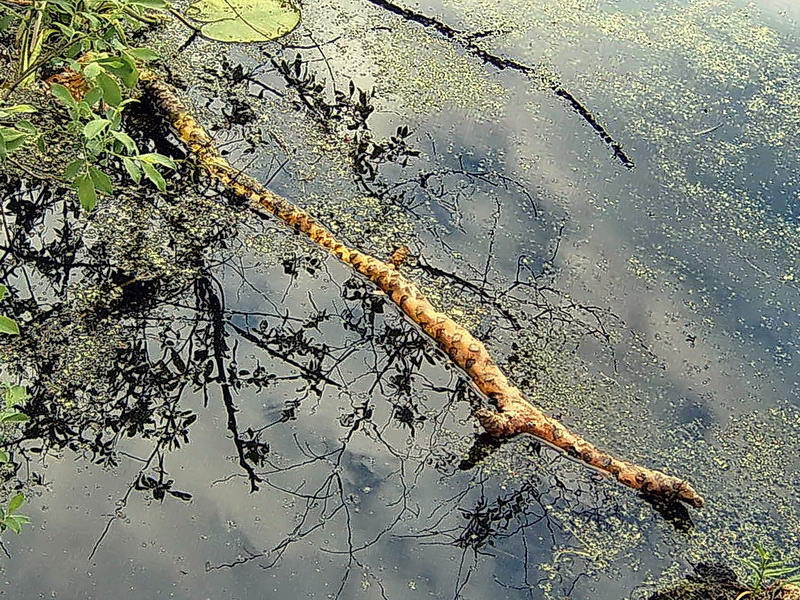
x,y
174,338
450,186
446,187
370,156
276,337
215,306
468,42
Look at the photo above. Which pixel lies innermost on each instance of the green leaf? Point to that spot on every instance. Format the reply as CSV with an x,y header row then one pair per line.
x,y
111,90
12,138
75,49
73,168
244,20
10,134
113,62
133,170
780,571
86,192
94,127
26,126
159,159
15,394
13,524
126,141
143,54
16,502
6,20
15,417
155,4
93,96
8,326
101,181
18,109
124,67
153,175
92,70
3,291
63,94
4,457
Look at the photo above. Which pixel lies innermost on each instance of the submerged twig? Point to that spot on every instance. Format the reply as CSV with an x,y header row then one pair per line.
x,y
467,42
709,130
514,413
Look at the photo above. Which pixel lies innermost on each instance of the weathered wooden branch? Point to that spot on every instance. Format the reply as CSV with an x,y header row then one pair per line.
x,y
514,414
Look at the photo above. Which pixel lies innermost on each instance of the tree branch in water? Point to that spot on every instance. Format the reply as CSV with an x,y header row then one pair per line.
x,y
514,414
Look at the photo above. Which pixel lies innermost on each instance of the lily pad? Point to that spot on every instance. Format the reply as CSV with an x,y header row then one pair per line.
x,y
244,20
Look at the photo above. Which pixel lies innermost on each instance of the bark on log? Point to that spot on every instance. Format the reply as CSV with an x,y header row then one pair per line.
x,y
514,414
791,592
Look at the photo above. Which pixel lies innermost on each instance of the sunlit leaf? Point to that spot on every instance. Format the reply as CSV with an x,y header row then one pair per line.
x,y
13,524
92,70
156,158
133,170
8,326
244,20
16,502
63,94
16,417
93,128
144,54
125,140
111,92
86,192
155,4
19,109
15,394
153,175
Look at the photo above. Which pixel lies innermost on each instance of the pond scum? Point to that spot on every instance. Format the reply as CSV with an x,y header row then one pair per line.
x,y
74,351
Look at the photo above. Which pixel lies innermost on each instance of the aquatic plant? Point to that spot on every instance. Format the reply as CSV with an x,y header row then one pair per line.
x,y
14,130
713,581
48,32
88,43
244,20
10,518
767,571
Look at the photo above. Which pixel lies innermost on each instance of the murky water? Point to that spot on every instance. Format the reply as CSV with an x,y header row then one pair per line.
x,y
326,445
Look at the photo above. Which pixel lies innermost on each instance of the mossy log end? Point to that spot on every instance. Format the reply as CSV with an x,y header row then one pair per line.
x,y
514,414
726,590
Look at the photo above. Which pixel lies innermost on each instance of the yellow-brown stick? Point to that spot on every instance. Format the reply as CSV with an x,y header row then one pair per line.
x,y
514,414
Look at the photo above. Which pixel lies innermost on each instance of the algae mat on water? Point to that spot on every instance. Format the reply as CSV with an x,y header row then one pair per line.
x,y
244,20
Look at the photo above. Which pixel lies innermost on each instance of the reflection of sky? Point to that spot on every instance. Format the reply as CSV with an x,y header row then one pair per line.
x,y
695,250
